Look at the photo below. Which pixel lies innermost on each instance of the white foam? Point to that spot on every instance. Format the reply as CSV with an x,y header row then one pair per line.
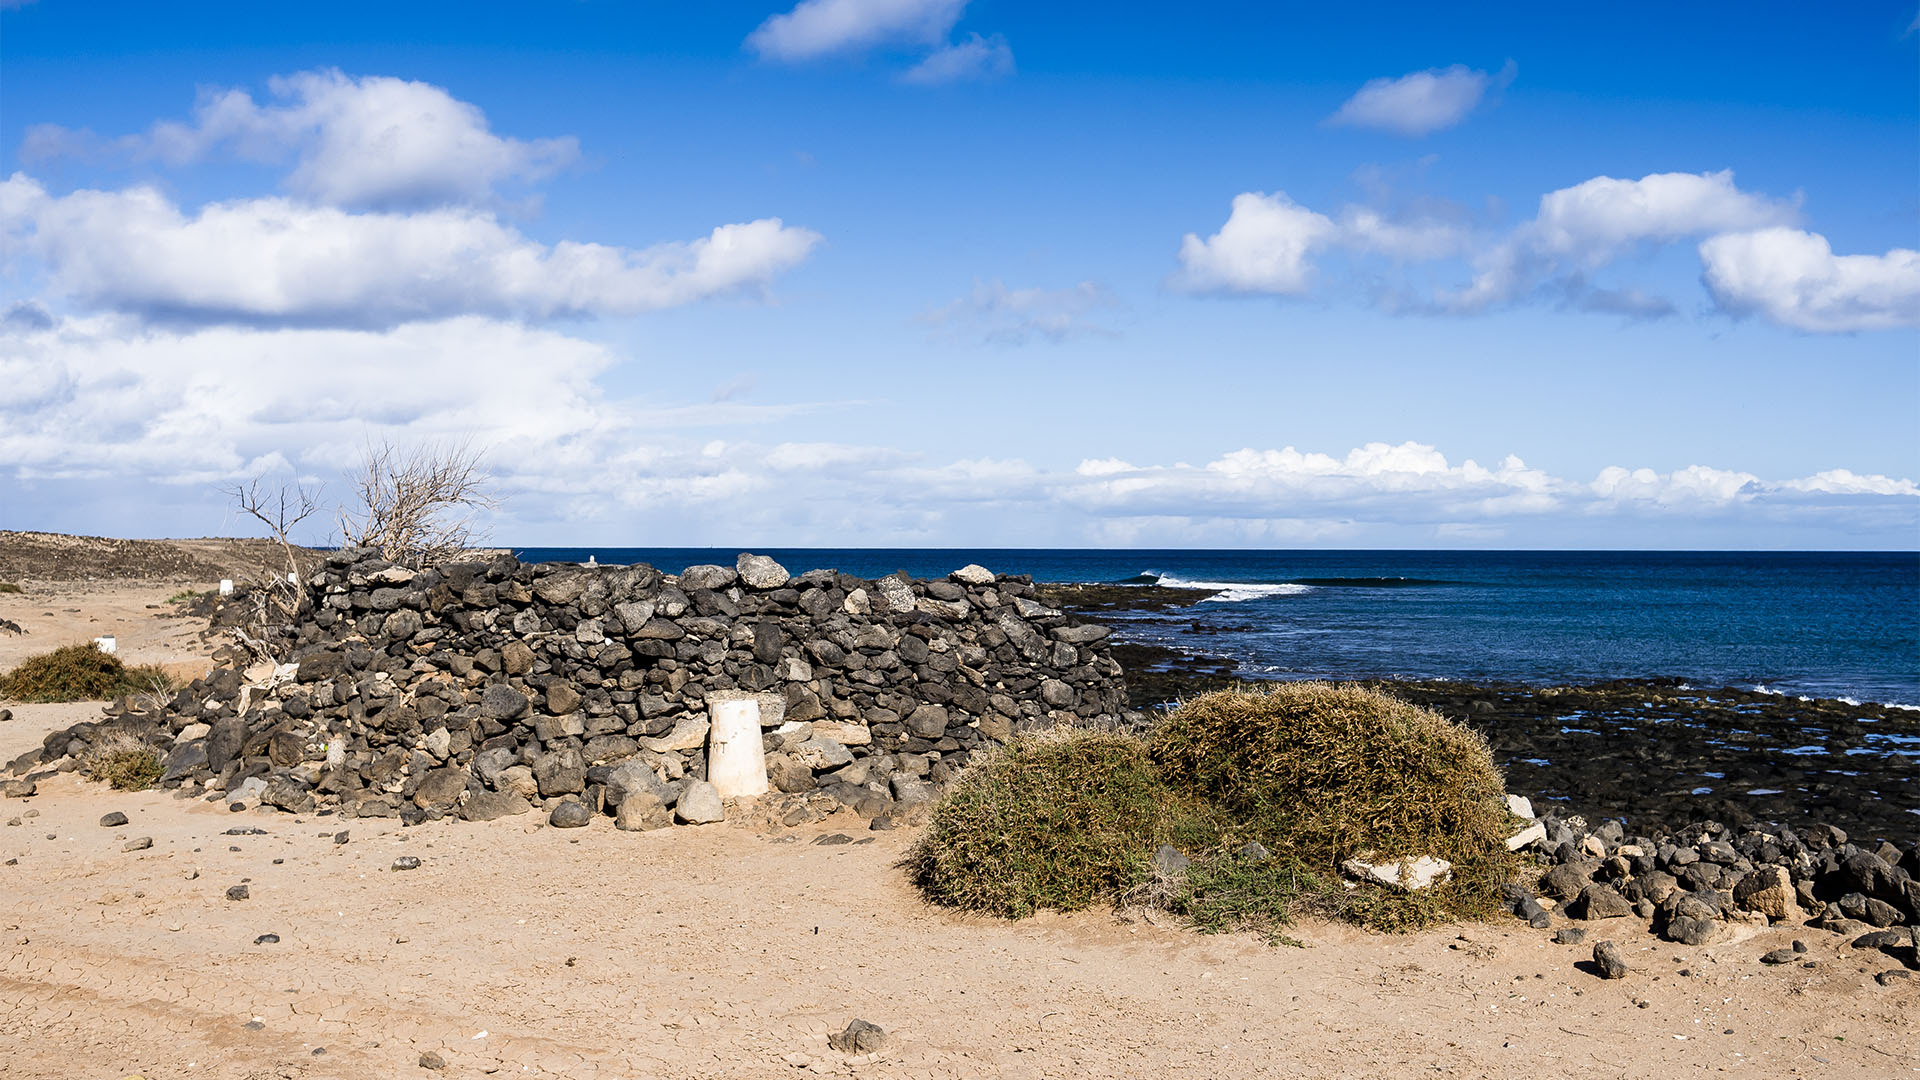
x,y
1232,591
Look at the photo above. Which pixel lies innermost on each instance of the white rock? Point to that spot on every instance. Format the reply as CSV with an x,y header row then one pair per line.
x,y
700,804
1417,874
439,743
858,603
192,732
689,732
973,574
392,575
760,572
1532,834
1520,806
846,734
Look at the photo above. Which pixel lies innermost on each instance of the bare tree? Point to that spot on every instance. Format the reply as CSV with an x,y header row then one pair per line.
x,y
278,598
416,506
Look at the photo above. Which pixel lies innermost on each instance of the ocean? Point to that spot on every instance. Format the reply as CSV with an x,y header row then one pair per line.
x,y
1817,624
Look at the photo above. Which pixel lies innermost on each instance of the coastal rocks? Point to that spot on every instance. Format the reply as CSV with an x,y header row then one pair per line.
x,y
760,572
570,814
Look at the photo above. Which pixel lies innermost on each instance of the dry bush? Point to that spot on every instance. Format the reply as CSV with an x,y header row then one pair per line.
x,y
120,758
10,587
1060,820
80,673
416,507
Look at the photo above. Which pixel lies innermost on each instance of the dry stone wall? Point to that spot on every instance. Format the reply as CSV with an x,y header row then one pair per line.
x,y
489,688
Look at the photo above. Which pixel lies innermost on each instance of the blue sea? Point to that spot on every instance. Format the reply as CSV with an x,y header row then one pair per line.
x,y
1818,624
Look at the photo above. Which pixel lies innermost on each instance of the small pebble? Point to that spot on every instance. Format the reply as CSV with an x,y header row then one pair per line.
x,y
238,892
113,820
432,1060
254,1025
267,939
340,837
138,844
407,862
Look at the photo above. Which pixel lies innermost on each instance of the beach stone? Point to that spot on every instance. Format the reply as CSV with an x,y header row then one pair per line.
x,y
502,702
642,811
138,844
560,772
1612,963
973,574
493,805
1565,882
441,789
1599,902
570,814
113,820
700,804
859,1037
1780,956
1689,930
1769,891
1418,874
1569,936
407,862
516,658
432,1060
706,576
238,892
760,572
19,789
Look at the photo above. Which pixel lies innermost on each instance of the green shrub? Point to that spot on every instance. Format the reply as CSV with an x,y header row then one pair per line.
x,y
1322,772
121,759
1060,820
10,587
182,596
80,673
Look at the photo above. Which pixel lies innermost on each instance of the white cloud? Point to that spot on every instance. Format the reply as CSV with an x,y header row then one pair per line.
x,y
1264,247
107,400
1588,225
976,58
276,261
817,28
1422,102
368,142
1752,262
996,314
821,27
1793,278
1592,221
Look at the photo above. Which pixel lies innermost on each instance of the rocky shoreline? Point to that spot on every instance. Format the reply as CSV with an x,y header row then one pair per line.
x,y
1654,753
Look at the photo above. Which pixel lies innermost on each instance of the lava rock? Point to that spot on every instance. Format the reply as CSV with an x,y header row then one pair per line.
x,y
1611,962
113,820
570,814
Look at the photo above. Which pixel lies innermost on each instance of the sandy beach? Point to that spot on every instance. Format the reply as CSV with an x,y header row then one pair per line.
x,y
729,950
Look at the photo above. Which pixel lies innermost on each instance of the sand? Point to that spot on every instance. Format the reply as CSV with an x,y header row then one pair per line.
x,y
721,951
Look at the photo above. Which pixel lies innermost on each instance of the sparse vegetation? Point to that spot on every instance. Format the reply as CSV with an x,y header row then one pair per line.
x,y
416,506
1060,820
80,673
122,760
1316,773
183,596
10,587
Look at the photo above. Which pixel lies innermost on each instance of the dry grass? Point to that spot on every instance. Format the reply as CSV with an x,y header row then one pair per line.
x,y
120,758
80,673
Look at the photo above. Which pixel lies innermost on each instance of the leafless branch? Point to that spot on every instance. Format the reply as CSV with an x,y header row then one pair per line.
x,y
417,506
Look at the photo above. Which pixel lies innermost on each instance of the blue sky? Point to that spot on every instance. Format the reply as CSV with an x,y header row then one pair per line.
x,y
929,272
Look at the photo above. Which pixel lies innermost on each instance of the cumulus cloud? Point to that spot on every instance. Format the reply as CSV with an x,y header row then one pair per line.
x,y
281,262
818,28
1422,102
1753,261
976,58
1265,247
1588,225
1793,278
996,314
370,142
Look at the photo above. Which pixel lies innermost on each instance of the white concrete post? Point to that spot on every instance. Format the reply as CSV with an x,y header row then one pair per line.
x,y
226,586
736,760
108,644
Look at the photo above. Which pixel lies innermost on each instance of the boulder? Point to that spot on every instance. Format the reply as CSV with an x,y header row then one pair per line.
x,y
1598,901
707,576
441,789
973,574
570,814
560,772
1769,891
700,804
492,805
642,811
760,572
